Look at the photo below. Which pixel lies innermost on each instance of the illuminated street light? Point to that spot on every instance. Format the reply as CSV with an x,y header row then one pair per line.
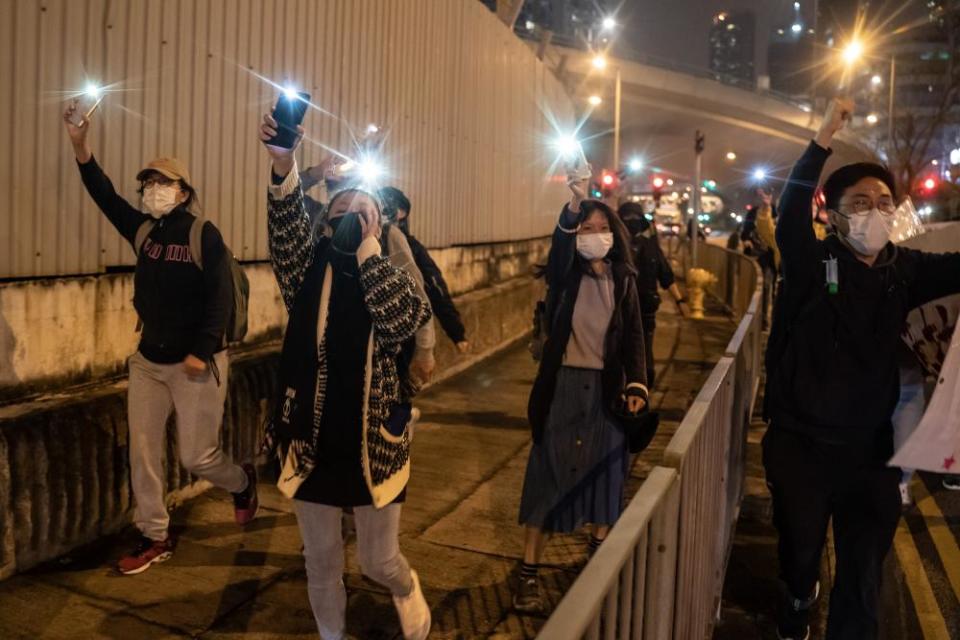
x,y
599,62
372,128
876,80
609,24
595,100
731,156
796,28
531,25
873,118
852,52
955,156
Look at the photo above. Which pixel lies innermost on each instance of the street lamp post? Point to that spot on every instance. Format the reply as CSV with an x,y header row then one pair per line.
x,y
890,113
616,123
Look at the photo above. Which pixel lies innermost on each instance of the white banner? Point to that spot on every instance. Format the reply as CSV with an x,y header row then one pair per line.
x,y
935,443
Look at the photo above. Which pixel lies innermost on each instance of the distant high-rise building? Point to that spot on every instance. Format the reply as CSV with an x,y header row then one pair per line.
x,y
731,47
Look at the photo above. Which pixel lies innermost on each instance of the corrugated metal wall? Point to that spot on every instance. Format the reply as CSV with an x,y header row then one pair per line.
x,y
463,97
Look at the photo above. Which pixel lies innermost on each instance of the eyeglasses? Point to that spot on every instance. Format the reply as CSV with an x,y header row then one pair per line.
x,y
157,180
863,206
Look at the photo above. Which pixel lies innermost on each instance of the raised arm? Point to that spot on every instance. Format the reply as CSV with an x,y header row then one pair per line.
x,y
289,227
794,233
122,215
563,247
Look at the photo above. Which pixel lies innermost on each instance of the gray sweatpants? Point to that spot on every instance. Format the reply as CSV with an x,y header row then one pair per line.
x,y
154,391
378,550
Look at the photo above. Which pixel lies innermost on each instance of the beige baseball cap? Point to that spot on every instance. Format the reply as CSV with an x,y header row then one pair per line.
x,y
170,167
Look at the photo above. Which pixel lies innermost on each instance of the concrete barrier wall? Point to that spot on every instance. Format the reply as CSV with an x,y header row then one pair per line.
x,y
66,331
64,477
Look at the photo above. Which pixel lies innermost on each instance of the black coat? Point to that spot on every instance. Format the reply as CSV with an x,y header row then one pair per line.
x,y
444,310
624,359
832,358
652,269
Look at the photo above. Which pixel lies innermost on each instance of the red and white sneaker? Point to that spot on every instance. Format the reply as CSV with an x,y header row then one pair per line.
x,y
246,503
146,553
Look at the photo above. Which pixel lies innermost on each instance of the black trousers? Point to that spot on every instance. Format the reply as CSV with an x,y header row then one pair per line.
x,y
812,481
649,324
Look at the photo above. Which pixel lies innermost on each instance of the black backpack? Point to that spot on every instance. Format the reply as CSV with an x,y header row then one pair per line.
x,y
236,328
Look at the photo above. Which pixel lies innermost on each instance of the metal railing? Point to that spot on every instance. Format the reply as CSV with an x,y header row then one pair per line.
x,y
659,574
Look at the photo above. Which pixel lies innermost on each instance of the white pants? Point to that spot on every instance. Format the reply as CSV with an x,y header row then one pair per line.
x,y
378,550
154,391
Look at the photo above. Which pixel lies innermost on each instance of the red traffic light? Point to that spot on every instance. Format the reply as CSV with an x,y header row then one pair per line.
x,y
608,180
930,184
658,182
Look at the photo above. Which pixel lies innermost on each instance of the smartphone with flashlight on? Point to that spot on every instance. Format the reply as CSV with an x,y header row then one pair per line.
x,y
289,112
578,167
87,103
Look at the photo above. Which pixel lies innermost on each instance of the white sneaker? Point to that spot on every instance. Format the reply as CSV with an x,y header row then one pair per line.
x,y
413,611
905,498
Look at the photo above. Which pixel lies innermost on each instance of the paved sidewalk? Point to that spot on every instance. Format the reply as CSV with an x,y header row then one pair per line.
x,y
459,530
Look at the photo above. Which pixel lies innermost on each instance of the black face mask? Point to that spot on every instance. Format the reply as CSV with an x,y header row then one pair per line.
x,y
347,233
635,226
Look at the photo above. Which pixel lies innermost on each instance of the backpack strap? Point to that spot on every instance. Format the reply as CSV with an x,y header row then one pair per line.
x,y
196,241
141,236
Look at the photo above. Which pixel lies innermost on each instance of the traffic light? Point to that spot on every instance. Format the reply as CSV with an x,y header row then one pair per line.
x,y
595,189
930,184
608,181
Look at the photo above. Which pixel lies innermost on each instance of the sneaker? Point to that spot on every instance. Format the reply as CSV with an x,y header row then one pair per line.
x,y
905,498
952,483
528,598
246,503
794,614
146,553
413,611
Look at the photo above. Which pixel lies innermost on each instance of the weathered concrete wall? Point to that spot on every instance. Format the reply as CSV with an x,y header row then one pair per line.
x,y
64,331
64,477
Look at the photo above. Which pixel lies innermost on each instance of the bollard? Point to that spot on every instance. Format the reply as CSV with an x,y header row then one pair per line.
x,y
697,280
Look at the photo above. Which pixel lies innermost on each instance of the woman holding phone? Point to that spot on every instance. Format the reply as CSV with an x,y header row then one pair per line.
x,y
181,362
593,367
341,429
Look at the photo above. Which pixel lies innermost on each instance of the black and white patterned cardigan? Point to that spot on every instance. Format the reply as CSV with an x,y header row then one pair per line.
x,y
396,312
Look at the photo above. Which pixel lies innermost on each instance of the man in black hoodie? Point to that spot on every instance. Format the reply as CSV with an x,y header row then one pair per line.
x,y
181,362
833,383
396,209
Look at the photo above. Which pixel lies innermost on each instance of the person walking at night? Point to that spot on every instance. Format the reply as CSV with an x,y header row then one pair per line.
x,y
593,368
341,428
181,363
652,269
397,212
833,383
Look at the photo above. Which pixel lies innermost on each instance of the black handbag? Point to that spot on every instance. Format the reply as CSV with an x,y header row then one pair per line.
x,y
639,427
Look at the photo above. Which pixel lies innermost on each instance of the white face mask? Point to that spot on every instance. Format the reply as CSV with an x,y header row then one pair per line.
x,y
594,246
160,200
868,234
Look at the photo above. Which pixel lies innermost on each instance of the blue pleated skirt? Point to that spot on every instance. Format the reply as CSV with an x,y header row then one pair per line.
x,y
577,472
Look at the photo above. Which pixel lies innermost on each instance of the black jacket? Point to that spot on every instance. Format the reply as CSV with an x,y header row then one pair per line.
x,y
832,358
436,288
184,310
652,269
624,359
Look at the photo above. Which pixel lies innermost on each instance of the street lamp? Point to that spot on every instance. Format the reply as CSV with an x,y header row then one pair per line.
x,y
852,52
595,100
872,119
876,80
599,62
609,24
731,156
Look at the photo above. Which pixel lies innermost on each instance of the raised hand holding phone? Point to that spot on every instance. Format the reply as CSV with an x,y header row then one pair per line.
x,y
77,132
282,156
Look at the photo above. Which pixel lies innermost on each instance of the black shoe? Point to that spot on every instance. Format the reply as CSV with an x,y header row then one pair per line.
x,y
528,598
794,615
952,483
